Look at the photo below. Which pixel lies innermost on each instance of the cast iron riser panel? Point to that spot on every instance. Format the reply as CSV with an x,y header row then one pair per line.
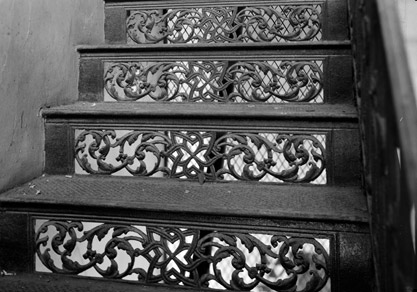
x,y
340,255
327,22
335,151
225,74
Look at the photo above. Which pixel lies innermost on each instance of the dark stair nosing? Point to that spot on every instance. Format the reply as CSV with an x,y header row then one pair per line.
x,y
45,282
287,201
204,110
293,48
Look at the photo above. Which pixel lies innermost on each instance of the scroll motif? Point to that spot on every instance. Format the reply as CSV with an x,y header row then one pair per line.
x,y
217,81
203,156
174,256
281,23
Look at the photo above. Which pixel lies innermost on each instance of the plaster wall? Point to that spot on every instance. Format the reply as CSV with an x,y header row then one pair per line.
x,y
408,11
38,68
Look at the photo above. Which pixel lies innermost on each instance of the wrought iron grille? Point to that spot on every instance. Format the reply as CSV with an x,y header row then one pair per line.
x,y
203,156
281,162
227,260
267,23
273,81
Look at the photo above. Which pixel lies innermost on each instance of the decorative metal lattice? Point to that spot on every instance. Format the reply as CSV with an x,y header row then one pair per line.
x,y
238,161
282,23
216,81
202,155
187,257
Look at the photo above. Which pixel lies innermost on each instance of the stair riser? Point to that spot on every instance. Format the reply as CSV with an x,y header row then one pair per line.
x,y
16,249
123,21
345,252
336,159
217,75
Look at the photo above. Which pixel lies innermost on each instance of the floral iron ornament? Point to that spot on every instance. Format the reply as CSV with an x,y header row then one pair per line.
x,y
283,23
176,256
203,156
216,81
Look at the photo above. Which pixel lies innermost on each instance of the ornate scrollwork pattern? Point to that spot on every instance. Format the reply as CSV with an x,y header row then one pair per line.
x,y
217,81
203,155
177,256
282,23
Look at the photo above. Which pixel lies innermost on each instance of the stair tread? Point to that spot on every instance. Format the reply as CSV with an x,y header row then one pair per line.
x,y
40,282
298,202
155,109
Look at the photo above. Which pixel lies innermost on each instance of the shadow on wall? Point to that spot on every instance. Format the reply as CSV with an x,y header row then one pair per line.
x,y
38,67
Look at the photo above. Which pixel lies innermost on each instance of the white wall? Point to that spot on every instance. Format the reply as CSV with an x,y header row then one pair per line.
x,y
408,16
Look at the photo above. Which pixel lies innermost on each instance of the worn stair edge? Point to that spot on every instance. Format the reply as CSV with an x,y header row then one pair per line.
x,y
44,282
319,47
204,110
298,202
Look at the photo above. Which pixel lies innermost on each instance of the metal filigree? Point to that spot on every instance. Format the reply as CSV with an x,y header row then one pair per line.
x,y
174,256
217,81
202,156
281,23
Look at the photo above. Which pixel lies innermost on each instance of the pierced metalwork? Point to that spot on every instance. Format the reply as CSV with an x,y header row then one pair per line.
x,y
217,81
187,257
238,162
202,155
282,23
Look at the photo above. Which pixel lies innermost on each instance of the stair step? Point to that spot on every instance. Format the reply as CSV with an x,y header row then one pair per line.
x,y
138,22
115,194
281,137
64,222
40,282
274,73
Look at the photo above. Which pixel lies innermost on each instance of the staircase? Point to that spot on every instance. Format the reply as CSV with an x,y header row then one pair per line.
x,y
214,145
